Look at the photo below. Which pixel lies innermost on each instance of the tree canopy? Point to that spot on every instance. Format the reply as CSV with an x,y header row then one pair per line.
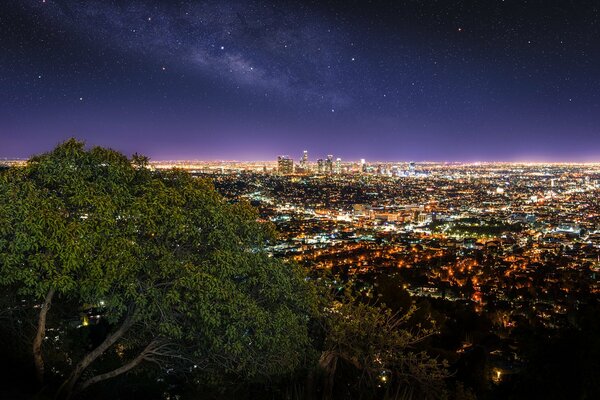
x,y
177,272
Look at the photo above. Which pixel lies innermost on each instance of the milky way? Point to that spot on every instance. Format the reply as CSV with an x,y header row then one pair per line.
x,y
251,44
236,79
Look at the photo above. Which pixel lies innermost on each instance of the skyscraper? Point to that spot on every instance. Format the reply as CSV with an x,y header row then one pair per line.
x,y
329,164
338,165
304,160
285,165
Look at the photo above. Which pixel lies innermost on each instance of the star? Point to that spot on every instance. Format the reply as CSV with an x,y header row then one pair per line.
x,y
311,73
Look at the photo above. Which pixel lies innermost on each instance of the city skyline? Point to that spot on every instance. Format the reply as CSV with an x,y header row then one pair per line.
x,y
248,80
313,161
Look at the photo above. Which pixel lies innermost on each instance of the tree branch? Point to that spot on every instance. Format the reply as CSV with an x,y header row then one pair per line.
x,y
69,384
116,372
155,351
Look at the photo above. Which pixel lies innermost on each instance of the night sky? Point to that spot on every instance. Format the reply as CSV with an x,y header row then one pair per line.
x,y
442,80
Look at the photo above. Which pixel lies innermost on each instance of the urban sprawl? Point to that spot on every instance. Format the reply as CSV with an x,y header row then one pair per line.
x,y
517,243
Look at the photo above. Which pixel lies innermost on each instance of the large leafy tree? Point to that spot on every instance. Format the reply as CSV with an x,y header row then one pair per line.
x,y
177,272
381,347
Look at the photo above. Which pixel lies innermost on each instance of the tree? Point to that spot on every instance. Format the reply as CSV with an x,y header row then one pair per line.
x,y
178,273
382,348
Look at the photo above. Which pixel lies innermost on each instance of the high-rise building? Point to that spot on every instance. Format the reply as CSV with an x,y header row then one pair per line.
x,y
338,165
304,160
320,166
285,165
329,164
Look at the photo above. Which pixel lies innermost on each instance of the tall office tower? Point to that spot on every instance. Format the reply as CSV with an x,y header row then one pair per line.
x,y
285,165
363,165
304,160
320,166
329,164
338,165
411,167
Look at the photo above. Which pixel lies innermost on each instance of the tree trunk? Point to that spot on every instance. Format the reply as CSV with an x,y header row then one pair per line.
x,y
328,363
66,389
329,382
38,358
309,385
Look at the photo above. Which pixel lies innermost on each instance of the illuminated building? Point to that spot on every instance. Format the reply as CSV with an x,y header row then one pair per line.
x,y
320,166
285,165
361,210
304,160
411,168
329,164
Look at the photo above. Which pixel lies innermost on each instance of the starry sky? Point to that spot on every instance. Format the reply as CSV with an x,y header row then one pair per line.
x,y
438,80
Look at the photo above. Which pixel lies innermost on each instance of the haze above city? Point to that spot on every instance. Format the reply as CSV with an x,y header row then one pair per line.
x,y
248,80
